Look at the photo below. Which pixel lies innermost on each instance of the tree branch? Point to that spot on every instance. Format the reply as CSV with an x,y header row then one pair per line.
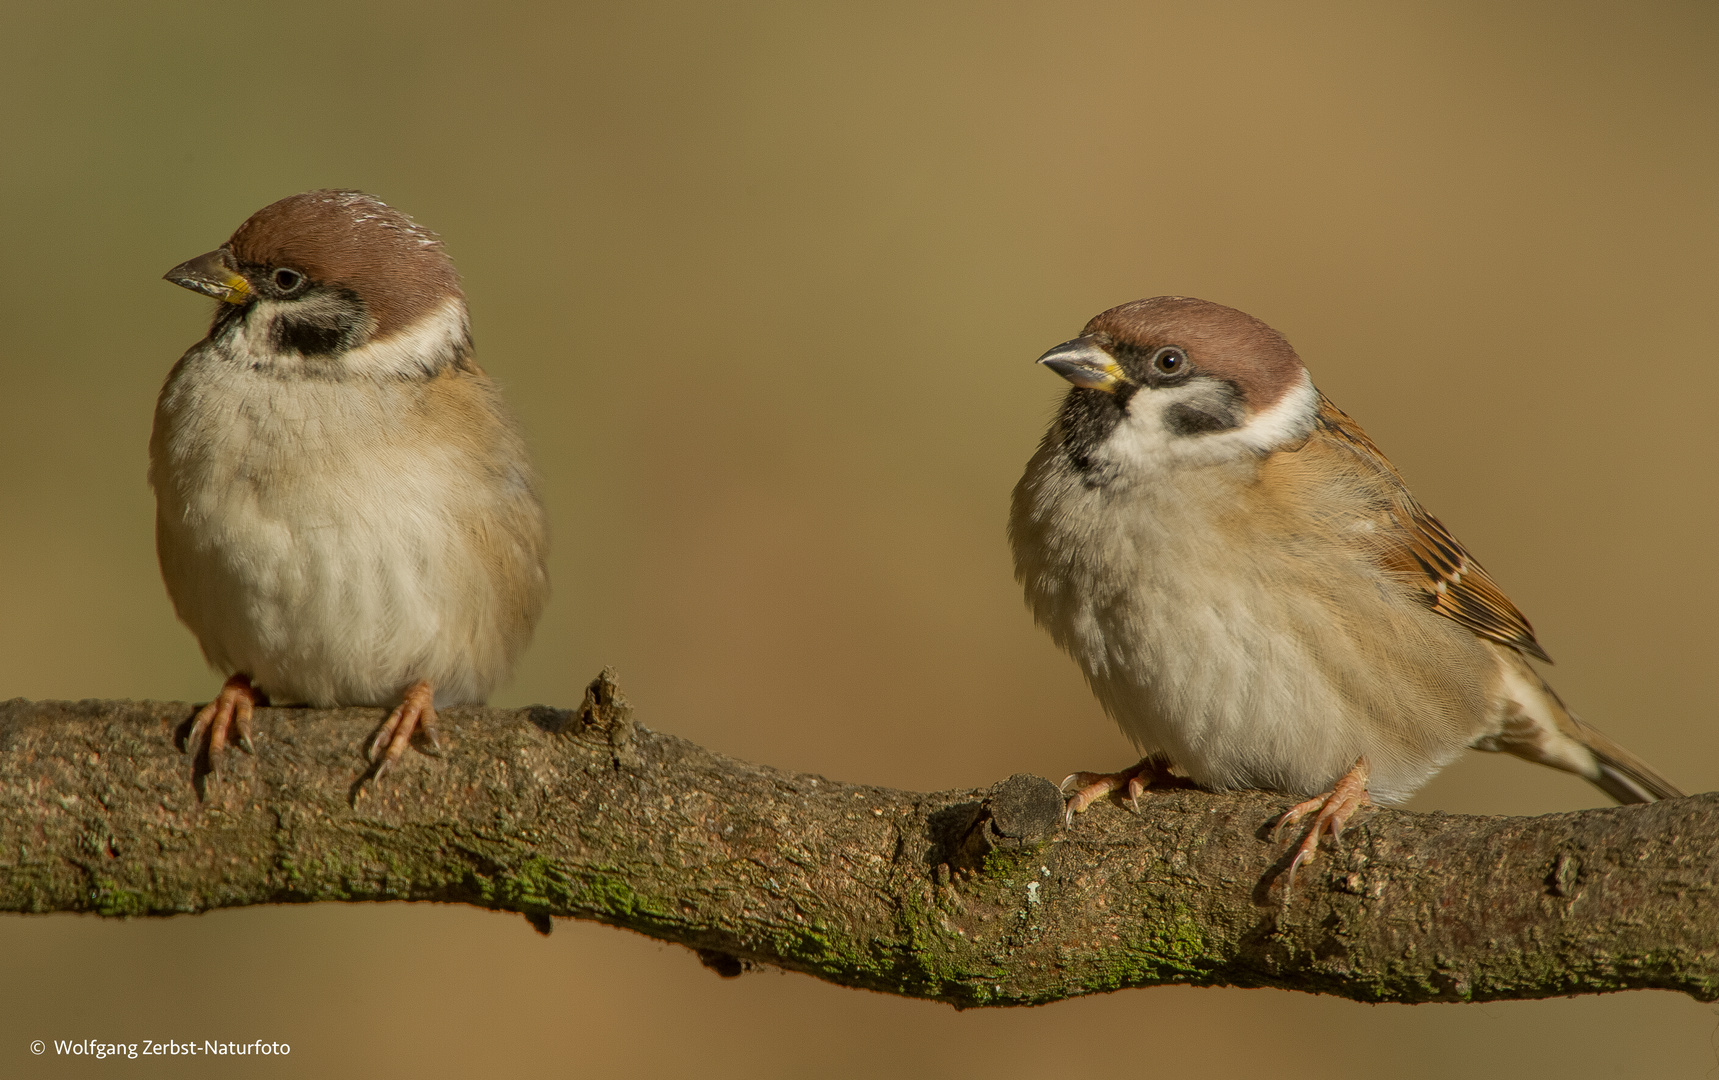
x,y
969,897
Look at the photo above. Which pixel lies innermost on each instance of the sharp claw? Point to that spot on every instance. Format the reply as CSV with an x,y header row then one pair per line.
x,y
1292,816
1334,808
379,742
209,735
1090,787
415,714
242,724
194,738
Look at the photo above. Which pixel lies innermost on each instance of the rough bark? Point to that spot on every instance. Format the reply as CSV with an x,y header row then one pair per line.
x,y
969,897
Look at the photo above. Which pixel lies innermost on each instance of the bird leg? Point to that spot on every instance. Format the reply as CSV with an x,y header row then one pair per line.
x,y
1090,787
230,709
1335,807
416,712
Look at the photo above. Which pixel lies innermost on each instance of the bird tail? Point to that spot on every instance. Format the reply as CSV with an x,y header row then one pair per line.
x,y
1537,725
1622,775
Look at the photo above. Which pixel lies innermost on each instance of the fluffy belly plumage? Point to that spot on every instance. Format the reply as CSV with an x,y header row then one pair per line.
x,y
338,563
1236,680
345,608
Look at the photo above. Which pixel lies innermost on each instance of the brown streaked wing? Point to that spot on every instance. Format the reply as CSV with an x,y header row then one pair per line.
x,y
1451,581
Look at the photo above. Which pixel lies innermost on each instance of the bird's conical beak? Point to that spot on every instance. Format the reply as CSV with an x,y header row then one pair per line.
x,y
211,275
1083,363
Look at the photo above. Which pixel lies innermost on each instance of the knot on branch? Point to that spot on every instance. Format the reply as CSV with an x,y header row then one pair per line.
x,y
1019,814
606,711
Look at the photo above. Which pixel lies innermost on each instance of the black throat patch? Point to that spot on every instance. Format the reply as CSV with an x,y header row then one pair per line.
x,y
1087,420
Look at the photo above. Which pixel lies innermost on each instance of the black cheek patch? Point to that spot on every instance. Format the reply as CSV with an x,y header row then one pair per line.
x,y
308,338
1184,419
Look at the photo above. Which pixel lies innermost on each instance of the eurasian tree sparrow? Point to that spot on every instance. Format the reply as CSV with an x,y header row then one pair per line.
x,y
345,513
1251,590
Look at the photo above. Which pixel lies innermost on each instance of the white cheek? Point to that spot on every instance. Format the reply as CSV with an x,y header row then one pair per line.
x,y
420,349
1288,421
1144,443
417,350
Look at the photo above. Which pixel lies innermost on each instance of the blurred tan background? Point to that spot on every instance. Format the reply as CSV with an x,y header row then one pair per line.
x,y
765,283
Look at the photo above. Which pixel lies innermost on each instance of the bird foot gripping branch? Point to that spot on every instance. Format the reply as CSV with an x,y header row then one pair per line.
x,y
1331,811
1090,787
231,711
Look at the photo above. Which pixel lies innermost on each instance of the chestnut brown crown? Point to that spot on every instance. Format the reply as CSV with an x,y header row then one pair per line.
x,y
352,240
1222,342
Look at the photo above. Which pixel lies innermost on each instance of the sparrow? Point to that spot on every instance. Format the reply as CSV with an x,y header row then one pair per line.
x,y
1252,592
345,511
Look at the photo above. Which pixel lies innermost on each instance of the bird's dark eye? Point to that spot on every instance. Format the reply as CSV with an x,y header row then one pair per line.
x,y
288,280
1170,361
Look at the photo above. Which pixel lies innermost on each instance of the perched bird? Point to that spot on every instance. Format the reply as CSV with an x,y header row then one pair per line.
x,y
345,512
1252,592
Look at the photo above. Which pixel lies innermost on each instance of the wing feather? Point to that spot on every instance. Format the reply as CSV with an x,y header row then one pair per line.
x,y
1420,548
